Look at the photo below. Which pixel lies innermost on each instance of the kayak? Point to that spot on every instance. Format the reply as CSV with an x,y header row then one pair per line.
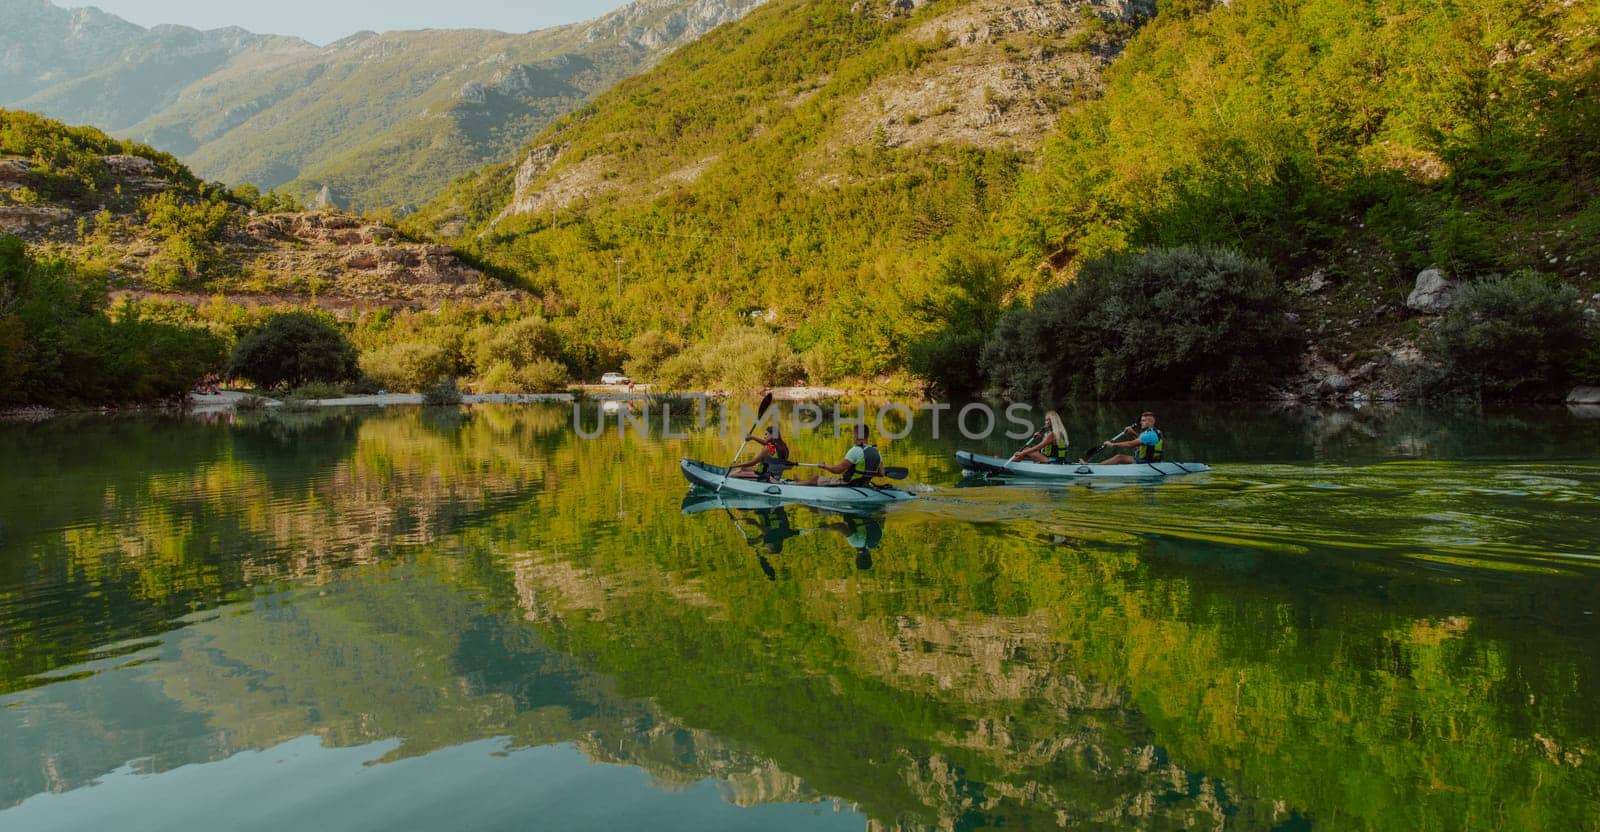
x,y
708,476
1076,471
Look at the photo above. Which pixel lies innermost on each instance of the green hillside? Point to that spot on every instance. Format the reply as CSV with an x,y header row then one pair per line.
x,y
795,166
824,168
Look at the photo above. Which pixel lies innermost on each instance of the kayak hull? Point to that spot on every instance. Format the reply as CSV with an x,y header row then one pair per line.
x,y
982,464
708,476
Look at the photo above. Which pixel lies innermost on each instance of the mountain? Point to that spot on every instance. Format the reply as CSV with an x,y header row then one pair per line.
x,y
824,166
381,120
144,220
878,183
87,66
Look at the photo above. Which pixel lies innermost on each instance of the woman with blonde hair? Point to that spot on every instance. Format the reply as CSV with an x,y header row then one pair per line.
x,y
1051,446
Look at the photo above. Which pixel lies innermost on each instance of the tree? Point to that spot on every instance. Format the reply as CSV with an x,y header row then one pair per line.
x,y
1162,323
1512,337
293,348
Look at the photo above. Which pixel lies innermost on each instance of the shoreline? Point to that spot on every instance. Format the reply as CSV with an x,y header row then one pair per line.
x,y
1583,402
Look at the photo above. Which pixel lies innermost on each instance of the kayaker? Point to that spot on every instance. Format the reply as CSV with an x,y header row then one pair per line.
x,y
1148,443
772,448
1049,443
860,464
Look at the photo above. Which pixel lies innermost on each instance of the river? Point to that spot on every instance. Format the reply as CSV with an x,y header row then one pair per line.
x,y
424,618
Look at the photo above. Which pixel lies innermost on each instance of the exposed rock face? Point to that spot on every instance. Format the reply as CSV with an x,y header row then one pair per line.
x,y
13,173
999,75
123,164
366,260
1434,293
324,200
1584,395
20,219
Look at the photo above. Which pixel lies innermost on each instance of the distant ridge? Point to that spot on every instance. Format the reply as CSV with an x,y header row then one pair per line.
x,y
379,119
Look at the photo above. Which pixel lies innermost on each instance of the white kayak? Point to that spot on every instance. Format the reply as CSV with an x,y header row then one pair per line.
x,y
1076,471
708,476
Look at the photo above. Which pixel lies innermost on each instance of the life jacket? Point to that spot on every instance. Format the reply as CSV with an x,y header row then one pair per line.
x,y
776,449
1056,451
863,471
1151,453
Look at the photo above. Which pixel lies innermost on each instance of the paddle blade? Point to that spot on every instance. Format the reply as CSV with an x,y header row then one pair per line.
x,y
896,472
766,402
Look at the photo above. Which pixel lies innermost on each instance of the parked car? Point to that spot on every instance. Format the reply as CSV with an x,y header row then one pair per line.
x,y
613,378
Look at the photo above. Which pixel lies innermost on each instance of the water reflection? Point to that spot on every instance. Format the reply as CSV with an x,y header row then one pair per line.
x,y
767,525
1323,632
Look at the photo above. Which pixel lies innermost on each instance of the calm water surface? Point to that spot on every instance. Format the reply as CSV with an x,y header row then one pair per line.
x,y
431,619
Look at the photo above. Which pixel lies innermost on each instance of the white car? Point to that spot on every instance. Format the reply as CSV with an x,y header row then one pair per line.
x,y
613,378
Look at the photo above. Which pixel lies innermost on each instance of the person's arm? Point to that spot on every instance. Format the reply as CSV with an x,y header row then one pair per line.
x,y
1048,438
841,469
752,463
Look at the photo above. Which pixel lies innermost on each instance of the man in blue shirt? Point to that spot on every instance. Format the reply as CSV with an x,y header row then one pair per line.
x,y
861,463
1148,445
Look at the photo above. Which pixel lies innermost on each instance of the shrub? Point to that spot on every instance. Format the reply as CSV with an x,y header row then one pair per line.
x,y
648,351
250,404
1586,370
190,235
364,385
1162,323
296,404
543,377
519,343
1462,246
293,348
501,378
948,361
318,390
965,302
743,359
444,392
408,365
1519,336
58,344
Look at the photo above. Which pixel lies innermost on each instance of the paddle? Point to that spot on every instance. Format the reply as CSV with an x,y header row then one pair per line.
x,y
766,402
893,472
1102,446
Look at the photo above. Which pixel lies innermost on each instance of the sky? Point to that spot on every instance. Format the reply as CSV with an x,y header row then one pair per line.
x,y
324,21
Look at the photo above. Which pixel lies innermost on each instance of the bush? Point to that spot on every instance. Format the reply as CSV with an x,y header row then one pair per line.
x,y
297,404
1520,336
292,348
743,359
59,345
648,351
363,386
444,392
1462,246
318,390
408,365
519,343
543,377
1162,323
250,404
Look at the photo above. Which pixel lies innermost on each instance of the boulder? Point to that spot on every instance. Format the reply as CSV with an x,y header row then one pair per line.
x,y
15,219
126,165
1434,293
1314,282
1584,395
13,173
1334,385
